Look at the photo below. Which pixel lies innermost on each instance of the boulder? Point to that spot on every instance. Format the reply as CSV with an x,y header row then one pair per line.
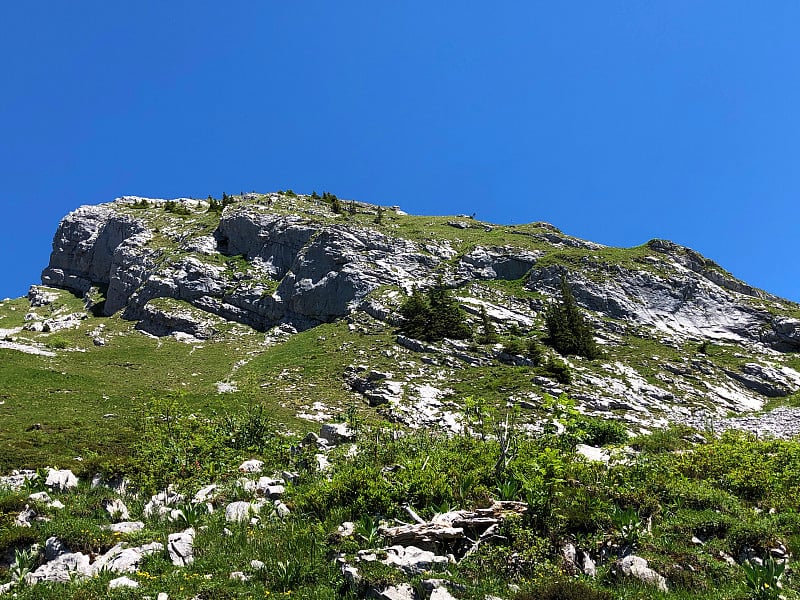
x,y
62,569
252,466
42,497
62,479
41,296
24,518
402,591
120,559
337,433
126,527
181,547
413,560
241,512
122,582
636,567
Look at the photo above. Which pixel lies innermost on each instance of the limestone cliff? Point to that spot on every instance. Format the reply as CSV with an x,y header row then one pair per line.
x,y
282,259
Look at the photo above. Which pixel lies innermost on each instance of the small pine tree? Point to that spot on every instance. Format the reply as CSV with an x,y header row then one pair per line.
x,y
336,205
567,330
447,318
416,315
488,333
379,216
434,316
534,352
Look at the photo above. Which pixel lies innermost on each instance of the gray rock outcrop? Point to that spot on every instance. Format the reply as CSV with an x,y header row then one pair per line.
x,y
636,567
181,547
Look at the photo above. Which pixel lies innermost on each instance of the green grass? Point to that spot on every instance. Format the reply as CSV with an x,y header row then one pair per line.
x,y
708,490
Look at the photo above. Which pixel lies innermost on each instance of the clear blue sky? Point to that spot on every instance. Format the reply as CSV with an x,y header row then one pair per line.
x,y
615,121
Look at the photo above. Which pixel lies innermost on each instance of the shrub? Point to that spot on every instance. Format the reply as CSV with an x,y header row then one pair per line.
x,y
559,370
568,589
599,432
214,205
534,352
176,208
56,342
514,346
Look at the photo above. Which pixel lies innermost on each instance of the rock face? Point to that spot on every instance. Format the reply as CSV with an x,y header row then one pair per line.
x,y
289,263
95,245
305,273
321,272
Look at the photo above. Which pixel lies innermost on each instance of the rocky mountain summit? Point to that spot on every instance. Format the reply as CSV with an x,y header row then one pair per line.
x,y
282,263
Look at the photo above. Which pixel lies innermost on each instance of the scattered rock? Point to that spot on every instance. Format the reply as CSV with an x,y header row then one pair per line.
x,y
636,567
117,509
42,497
204,494
25,517
337,433
413,560
240,512
592,453
62,569
124,560
252,466
62,479
126,527
160,504
181,547
401,591
122,582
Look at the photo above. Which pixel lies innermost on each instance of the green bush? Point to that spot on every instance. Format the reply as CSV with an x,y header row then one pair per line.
x,y
514,346
567,589
534,352
559,370
56,342
176,208
600,432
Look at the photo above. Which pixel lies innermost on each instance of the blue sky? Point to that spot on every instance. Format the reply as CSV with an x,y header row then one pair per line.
x,y
615,121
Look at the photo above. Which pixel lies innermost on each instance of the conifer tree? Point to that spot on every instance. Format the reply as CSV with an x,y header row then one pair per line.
x,y
447,318
433,316
488,334
416,315
567,329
